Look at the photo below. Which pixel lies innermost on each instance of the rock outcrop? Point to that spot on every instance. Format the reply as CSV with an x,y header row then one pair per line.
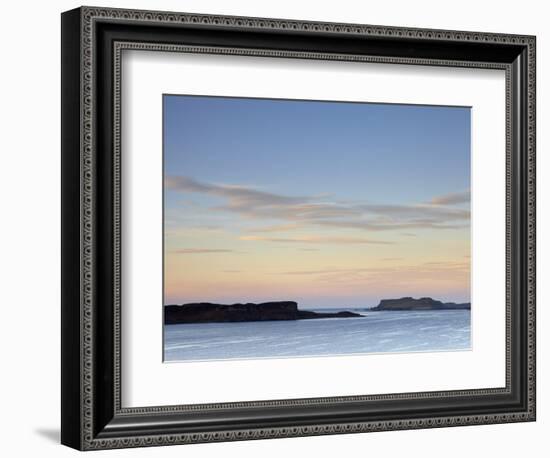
x,y
206,312
424,303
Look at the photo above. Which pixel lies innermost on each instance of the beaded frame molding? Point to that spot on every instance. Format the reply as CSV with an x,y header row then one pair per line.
x,y
93,40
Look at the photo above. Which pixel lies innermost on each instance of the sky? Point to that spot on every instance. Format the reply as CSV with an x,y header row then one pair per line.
x,y
330,204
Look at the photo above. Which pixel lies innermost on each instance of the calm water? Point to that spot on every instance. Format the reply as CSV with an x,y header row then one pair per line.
x,y
376,332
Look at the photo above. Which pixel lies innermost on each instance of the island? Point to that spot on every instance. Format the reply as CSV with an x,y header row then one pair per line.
x,y
207,312
424,303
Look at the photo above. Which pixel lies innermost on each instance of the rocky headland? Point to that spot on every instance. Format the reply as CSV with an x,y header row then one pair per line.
x,y
424,303
207,312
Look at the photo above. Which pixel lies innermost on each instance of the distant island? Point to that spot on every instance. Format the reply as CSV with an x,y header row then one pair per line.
x,y
207,312
424,303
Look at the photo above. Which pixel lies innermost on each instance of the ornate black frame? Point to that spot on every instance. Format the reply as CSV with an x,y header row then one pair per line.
x,y
92,42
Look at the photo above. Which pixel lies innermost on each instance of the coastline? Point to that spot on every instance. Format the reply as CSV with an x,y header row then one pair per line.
x,y
207,312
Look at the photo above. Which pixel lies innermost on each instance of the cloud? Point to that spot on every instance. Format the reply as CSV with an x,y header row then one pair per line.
x,y
178,230
201,251
452,199
428,272
237,195
294,212
421,267
418,212
394,224
315,239
275,228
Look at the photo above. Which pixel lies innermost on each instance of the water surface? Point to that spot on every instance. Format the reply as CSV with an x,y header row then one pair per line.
x,y
376,332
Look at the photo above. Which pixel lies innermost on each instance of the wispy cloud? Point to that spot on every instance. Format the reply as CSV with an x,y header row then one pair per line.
x,y
388,224
315,239
441,212
201,251
275,228
452,199
424,266
429,272
182,229
238,196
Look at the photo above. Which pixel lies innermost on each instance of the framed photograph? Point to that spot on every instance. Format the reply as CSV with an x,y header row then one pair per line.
x,y
276,228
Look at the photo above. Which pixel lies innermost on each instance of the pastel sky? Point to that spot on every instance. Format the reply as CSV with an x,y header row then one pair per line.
x,y
330,204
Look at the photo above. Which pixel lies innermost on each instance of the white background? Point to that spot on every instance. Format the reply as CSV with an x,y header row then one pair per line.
x,y
29,245
147,75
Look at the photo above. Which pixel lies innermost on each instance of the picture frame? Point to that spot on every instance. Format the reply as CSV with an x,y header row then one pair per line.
x,y
93,416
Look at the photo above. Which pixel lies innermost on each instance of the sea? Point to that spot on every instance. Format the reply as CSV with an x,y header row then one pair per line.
x,y
375,332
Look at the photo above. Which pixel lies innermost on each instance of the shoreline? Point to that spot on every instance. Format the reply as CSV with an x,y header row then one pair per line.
x,y
207,312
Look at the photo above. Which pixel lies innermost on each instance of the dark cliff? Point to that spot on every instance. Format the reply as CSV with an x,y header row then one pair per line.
x,y
424,303
206,312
